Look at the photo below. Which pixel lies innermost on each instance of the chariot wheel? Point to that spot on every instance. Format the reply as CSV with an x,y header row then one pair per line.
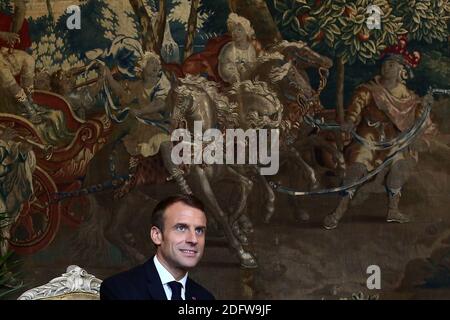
x,y
39,218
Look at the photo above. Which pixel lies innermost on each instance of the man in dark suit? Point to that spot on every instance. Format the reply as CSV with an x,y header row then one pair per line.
x,y
178,232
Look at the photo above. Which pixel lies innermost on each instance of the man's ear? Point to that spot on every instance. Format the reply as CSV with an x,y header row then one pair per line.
x,y
156,235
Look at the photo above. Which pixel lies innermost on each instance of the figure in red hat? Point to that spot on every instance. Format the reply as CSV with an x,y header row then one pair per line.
x,y
380,110
400,54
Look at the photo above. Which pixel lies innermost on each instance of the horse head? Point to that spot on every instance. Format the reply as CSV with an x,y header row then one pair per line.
x,y
193,98
283,67
302,55
259,106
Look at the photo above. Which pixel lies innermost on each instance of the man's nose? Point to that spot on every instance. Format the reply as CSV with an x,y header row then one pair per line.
x,y
192,237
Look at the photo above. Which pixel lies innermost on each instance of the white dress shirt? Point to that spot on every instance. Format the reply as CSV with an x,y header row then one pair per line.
x,y
167,277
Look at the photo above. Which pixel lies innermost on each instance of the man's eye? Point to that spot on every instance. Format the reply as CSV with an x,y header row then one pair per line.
x,y
199,231
181,228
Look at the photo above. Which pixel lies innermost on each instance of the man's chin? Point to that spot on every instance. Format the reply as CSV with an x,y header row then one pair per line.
x,y
189,262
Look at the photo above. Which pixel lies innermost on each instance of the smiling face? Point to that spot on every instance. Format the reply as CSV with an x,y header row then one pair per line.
x,y
182,240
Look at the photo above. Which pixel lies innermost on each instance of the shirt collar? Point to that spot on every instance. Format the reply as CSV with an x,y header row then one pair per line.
x,y
165,275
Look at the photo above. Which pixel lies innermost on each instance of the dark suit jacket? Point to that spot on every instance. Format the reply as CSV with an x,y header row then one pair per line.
x,y
143,283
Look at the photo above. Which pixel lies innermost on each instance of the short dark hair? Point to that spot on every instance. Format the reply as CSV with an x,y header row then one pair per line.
x,y
158,212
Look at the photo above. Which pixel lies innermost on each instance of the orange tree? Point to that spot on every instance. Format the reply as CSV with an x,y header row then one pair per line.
x,y
425,20
338,28
427,25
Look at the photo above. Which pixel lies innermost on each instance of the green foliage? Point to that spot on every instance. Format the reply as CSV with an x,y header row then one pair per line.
x,y
99,25
153,5
217,12
6,6
433,70
287,15
425,19
357,41
55,47
338,27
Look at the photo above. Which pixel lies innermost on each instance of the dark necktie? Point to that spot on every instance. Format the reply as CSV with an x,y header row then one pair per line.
x,y
175,286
